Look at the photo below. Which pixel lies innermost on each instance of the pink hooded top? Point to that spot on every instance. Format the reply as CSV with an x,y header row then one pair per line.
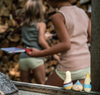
x,y
76,23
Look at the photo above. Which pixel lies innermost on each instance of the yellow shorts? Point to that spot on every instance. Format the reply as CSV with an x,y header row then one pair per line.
x,y
75,75
30,63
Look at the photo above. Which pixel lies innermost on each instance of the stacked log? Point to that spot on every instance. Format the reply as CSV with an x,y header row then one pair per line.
x,y
10,34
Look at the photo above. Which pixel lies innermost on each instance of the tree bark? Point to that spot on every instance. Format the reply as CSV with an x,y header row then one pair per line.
x,y
95,46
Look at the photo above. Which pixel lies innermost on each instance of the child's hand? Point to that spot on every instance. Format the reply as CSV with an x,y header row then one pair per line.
x,y
56,57
48,36
33,52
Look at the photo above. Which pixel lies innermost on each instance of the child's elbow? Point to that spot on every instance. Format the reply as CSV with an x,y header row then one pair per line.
x,y
68,46
40,42
89,40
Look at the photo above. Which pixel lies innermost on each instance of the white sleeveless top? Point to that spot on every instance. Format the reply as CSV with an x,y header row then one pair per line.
x,y
76,23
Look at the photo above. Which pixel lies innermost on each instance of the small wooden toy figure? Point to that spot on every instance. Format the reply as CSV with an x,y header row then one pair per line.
x,y
77,86
68,82
87,83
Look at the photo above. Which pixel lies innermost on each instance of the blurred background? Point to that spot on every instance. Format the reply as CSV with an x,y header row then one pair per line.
x,y
11,18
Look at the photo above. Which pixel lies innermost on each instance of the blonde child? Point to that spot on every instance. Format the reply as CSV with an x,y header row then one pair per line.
x,y
33,32
73,28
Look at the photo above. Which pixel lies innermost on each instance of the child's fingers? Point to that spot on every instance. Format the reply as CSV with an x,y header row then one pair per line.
x,y
28,49
29,53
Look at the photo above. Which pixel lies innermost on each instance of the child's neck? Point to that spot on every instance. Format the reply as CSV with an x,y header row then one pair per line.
x,y
61,4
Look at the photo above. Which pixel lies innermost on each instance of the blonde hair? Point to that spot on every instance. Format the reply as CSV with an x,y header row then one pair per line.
x,y
33,12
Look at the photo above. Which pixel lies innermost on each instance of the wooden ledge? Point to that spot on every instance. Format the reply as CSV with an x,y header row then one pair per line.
x,y
51,90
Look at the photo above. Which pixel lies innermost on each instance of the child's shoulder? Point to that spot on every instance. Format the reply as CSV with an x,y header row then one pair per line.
x,y
41,24
70,8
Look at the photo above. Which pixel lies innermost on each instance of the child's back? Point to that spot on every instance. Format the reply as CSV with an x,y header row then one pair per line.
x,y
76,22
30,38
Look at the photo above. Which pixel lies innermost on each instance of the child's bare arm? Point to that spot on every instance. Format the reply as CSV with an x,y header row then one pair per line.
x,y
41,38
63,45
89,32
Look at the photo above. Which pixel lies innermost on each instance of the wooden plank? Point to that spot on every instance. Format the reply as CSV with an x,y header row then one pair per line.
x,y
29,93
51,90
95,45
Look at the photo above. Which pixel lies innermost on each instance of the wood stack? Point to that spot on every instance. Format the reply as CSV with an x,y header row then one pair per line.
x,y
10,34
